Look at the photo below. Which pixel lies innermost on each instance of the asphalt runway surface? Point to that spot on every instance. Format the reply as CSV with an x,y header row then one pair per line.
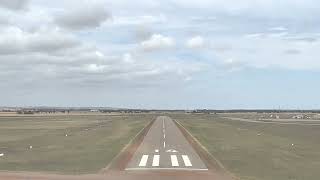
x,y
165,148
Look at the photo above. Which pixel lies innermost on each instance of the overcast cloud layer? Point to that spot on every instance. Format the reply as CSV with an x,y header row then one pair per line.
x,y
160,54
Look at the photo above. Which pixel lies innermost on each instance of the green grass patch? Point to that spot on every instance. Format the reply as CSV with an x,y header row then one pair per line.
x,y
91,141
257,151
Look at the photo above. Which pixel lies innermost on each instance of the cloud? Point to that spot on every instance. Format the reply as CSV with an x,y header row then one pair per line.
x,y
64,60
127,58
278,28
272,52
303,38
196,42
3,21
231,65
205,19
138,20
14,4
158,42
292,51
15,41
82,18
148,43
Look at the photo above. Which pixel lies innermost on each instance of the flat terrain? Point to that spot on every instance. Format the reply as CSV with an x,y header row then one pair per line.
x,y
258,151
280,118
164,152
246,146
65,144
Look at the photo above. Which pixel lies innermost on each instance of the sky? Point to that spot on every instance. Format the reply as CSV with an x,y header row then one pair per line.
x,y
168,54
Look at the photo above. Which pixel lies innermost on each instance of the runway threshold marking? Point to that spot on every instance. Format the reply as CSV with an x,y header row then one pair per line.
x,y
174,161
144,160
156,160
186,160
174,169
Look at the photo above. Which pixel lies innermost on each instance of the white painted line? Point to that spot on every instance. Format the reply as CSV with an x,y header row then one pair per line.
x,y
186,160
171,151
144,160
174,161
157,150
1,154
156,160
163,123
164,144
152,168
164,136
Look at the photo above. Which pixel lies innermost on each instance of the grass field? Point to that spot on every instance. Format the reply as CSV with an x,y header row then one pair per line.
x,y
65,144
259,151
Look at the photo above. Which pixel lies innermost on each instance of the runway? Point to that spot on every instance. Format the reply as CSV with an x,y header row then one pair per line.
x,y
165,148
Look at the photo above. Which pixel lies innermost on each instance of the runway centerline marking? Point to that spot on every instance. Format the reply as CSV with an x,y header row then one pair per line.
x,y
186,160
156,160
163,123
174,161
156,152
144,160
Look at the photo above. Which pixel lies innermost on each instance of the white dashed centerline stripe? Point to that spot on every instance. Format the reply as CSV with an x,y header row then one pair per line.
x,y
186,160
174,161
144,160
156,160
163,123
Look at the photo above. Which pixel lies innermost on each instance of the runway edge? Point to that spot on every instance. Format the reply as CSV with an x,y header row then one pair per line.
x,y
210,161
120,161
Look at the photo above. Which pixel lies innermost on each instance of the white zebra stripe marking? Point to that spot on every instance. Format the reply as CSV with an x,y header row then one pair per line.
x,y
156,160
186,160
174,169
144,160
174,161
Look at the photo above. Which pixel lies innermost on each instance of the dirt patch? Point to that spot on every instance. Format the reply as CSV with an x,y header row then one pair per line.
x,y
116,175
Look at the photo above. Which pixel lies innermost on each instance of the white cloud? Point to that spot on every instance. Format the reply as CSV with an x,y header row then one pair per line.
x,y
158,42
278,28
196,42
99,54
127,58
138,20
14,4
14,41
38,47
272,51
95,68
83,18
